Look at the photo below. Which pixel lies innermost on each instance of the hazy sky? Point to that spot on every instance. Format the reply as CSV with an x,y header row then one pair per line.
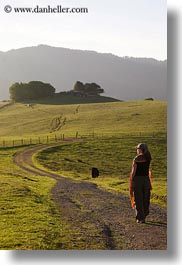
x,y
135,28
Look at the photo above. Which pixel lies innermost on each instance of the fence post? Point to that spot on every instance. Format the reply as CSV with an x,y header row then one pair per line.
x,y
21,141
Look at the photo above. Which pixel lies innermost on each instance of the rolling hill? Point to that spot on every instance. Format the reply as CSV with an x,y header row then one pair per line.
x,y
123,78
112,118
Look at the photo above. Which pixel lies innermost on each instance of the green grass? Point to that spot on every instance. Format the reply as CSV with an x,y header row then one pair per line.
x,y
113,158
108,119
29,218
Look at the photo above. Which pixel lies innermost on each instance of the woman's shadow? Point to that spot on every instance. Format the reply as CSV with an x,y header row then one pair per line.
x,y
153,223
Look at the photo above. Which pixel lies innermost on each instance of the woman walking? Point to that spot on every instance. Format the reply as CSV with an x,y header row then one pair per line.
x,y
140,182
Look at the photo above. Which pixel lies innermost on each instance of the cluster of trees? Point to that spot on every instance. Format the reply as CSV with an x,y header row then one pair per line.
x,y
30,91
88,88
36,90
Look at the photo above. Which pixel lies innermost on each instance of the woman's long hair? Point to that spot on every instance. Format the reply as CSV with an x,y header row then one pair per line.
x,y
145,151
147,155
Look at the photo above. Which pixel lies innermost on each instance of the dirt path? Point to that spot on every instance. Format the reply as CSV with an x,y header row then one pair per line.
x,y
100,219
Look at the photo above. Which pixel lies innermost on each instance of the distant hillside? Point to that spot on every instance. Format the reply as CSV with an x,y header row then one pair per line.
x,y
122,78
64,99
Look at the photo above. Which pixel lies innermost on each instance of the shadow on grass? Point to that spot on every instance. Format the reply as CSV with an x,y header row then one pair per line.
x,y
161,224
109,241
65,99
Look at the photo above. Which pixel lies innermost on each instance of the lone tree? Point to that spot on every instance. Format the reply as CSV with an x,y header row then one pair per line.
x,y
88,88
30,91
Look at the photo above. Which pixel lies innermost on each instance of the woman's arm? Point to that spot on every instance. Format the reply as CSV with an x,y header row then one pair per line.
x,y
133,170
132,174
150,177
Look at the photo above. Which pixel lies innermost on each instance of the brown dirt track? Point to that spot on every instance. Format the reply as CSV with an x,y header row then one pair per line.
x,y
100,219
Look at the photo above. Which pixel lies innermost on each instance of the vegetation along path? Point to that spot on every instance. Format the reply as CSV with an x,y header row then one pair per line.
x,y
99,219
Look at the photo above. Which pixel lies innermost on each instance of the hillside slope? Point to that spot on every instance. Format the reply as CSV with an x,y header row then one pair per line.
x,y
123,78
103,118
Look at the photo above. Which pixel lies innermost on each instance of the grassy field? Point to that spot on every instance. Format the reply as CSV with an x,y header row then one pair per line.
x,y
29,218
106,119
113,158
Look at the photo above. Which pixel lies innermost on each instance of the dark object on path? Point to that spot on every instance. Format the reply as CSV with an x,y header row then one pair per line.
x,y
95,172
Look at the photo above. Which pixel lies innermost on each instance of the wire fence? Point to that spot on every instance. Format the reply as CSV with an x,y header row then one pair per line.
x,y
31,141
48,139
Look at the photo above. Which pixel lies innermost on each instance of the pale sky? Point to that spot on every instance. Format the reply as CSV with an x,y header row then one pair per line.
x,y
135,28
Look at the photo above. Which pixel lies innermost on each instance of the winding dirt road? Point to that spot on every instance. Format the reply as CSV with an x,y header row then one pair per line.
x,y
100,219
